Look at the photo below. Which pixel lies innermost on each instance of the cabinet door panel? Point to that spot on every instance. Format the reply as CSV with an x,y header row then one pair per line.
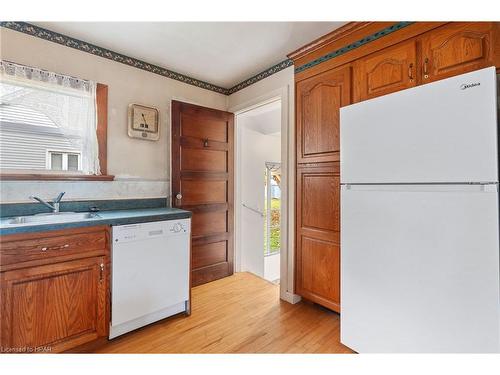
x,y
389,70
320,201
318,234
55,305
456,48
319,99
320,277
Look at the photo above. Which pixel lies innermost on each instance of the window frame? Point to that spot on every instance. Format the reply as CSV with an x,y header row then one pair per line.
x,y
64,159
102,134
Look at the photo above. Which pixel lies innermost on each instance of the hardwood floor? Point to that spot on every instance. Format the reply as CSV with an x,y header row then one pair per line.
x,y
238,314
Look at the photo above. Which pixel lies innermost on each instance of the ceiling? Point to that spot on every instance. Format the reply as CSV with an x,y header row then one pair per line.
x,y
265,119
221,53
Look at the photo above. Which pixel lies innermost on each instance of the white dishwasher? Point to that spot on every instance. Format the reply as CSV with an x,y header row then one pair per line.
x,y
149,273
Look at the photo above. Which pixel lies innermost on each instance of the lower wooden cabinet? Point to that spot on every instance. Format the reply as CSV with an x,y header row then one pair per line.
x,y
56,306
317,276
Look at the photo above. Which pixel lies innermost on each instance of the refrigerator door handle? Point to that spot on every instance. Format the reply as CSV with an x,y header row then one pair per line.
x,y
464,187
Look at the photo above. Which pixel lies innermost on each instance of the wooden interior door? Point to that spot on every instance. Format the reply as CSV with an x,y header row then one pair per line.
x,y
318,234
58,305
389,70
456,48
319,99
202,182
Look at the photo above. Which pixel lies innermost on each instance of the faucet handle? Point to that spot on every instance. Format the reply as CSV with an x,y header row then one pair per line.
x,y
59,197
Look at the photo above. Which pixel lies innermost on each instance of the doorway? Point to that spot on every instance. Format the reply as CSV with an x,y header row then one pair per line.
x,y
259,194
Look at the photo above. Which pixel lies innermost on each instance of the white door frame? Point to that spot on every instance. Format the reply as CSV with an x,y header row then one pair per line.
x,y
287,188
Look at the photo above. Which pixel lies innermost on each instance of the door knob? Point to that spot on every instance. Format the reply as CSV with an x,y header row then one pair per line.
x,y
178,196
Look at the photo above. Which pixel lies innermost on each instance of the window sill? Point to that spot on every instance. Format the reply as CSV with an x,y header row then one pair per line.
x,y
54,177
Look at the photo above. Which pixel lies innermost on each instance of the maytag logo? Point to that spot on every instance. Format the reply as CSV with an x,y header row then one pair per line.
x,y
465,86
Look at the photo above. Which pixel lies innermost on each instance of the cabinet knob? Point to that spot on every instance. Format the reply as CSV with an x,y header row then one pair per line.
x,y
178,196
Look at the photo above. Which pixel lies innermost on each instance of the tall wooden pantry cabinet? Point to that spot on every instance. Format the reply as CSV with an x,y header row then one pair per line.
x,y
360,61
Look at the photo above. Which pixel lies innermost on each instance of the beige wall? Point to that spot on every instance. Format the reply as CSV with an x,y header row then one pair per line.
x,y
142,168
127,157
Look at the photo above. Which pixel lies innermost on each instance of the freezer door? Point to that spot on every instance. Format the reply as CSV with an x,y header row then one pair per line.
x,y
444,131
420,269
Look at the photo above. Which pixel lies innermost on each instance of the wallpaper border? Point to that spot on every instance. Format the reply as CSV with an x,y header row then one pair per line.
x,y
361,42
39,32
80,45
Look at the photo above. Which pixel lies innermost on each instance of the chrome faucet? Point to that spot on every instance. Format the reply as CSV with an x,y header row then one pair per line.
x,y
55,203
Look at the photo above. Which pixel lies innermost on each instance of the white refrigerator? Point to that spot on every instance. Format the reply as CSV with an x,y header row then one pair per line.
x,y
420,219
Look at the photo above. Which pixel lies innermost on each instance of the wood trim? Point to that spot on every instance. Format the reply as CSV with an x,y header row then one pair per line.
x,y
336,34
102,126
102,141
230,194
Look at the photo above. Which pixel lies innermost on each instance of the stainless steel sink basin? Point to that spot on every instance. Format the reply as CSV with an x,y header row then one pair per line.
x,y
59,217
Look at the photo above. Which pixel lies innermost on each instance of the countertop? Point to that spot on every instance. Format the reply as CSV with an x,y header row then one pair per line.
x,y
111,217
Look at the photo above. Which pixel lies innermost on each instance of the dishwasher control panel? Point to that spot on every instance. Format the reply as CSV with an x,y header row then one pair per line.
x,y
142,231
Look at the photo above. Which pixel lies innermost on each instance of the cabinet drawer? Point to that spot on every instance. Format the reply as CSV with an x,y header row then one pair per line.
x,y
49,245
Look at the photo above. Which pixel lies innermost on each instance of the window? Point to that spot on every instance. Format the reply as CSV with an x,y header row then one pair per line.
x,y
63,161
51,124
272,213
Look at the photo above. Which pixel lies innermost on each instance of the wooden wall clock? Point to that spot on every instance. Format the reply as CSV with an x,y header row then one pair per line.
x,y
143,122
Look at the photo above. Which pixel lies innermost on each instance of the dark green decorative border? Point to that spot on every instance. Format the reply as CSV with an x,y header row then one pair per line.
x,y
260,76
356,44
67,41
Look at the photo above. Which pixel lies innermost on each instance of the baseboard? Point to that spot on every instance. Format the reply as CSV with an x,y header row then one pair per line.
x,y
291,298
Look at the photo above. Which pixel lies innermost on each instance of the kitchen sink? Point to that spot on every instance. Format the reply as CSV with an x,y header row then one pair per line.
x,y
59,217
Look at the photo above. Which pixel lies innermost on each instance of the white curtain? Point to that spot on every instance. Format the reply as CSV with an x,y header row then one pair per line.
x,y
69,102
